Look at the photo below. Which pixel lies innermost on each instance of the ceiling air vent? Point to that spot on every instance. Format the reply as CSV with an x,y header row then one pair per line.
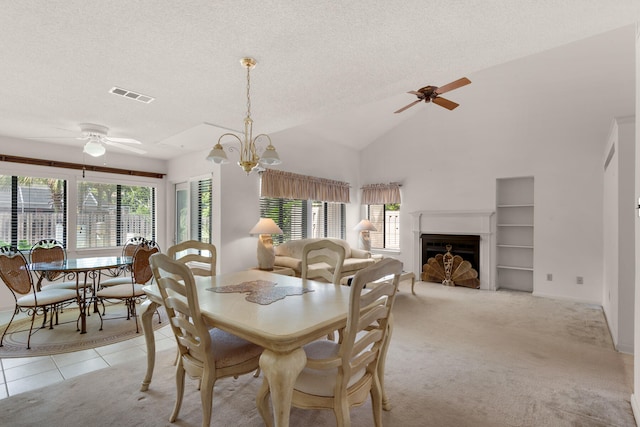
x,y
131,95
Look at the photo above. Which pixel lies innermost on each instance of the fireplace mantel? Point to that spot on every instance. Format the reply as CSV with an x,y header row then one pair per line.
x,y
474,222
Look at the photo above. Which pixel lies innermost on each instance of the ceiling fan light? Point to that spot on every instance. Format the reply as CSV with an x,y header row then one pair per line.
x,y
218,155
94,149
270,156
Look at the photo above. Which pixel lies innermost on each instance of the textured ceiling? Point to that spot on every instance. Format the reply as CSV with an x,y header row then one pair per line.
x,y
337,68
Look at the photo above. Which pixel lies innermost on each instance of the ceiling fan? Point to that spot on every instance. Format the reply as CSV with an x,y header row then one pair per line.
x,y
96,137
432,94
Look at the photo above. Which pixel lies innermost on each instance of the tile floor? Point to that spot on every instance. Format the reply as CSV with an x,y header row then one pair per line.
x,y
28,373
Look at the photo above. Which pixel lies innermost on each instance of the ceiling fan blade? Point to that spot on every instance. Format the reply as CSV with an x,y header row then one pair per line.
x,y
125,140
57,137
453,85
124,147
413,92
443,102
407,106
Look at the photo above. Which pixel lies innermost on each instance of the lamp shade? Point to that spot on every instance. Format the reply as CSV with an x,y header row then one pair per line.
x,y
266,226
365,225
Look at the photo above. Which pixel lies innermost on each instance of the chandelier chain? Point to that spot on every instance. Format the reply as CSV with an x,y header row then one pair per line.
x,y
248,89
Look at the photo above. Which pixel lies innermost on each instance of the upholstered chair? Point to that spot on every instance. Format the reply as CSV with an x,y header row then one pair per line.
x,y
205,352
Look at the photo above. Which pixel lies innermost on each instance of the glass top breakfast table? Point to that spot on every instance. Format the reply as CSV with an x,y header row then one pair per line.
x,y
89,268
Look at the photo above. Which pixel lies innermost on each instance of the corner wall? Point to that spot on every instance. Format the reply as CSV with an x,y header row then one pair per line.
x,y
618,162
635,402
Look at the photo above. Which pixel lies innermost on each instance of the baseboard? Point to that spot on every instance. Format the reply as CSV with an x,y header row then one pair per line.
x,y
625,348
635,409
565,298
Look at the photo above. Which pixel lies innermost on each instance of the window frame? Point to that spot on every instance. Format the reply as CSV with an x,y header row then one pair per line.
x,y
330,219
120,232
199,219
306,221
386,235
15,212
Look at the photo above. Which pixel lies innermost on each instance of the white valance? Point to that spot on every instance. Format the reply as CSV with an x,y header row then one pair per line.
x,y
287,185
381,194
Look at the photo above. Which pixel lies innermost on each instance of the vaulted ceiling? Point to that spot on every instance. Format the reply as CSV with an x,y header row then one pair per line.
x,y
339,69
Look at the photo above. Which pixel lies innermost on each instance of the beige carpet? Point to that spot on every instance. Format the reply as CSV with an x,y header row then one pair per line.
x,y
459,357
65,338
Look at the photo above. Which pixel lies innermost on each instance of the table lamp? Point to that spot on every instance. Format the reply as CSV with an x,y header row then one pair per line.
x,y
266,256
364,227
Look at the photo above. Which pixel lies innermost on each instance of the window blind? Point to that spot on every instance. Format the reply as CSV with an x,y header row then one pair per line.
x,y
289,214
386,219
32,209
328,220
110,214
201,199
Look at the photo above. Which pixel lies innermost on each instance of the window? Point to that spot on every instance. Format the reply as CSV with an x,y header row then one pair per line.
x,y
328,220
290,215
386,218
32,209
201,210
110,214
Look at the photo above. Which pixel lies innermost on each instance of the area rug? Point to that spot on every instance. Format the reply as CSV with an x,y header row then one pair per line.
x,y
64,337
459,357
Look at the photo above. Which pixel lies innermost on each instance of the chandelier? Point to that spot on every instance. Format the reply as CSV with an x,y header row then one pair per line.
x,y
249,157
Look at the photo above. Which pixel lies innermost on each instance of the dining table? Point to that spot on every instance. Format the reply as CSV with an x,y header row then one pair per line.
x,y
83,270
281,327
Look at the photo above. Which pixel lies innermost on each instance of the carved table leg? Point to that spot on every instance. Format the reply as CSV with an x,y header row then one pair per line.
x,y
147,309
281,371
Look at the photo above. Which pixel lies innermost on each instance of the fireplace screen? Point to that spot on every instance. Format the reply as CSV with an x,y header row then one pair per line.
x,y
452,260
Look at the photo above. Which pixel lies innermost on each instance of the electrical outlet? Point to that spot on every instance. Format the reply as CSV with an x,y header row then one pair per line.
x,y
579,280
549,277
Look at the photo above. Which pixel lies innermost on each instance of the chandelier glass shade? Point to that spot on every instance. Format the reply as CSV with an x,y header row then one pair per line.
x,y
249,155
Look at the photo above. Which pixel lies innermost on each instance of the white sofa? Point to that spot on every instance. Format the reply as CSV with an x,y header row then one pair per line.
x,y
289,254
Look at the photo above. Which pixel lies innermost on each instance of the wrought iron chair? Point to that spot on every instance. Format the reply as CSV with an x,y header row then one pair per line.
x,y
205,353
200,257
51,251
340,375
15,274
124,274
131,292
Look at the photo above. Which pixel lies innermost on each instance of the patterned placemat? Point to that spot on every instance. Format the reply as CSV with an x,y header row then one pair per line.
x,y
261,291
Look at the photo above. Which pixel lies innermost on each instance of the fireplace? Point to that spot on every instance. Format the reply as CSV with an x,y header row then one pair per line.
x,y
467,246
480,225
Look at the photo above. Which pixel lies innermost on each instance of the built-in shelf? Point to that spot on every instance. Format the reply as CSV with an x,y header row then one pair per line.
x,y
513,267
514,234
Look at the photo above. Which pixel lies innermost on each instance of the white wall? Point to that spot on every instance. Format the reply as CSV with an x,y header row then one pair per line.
x,y
450,160
238,194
